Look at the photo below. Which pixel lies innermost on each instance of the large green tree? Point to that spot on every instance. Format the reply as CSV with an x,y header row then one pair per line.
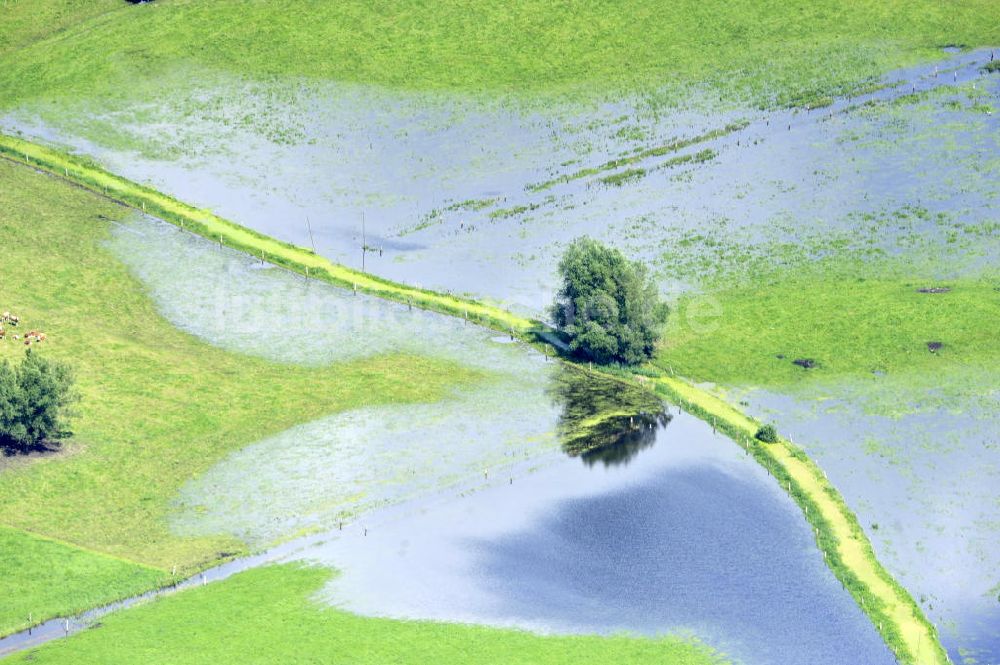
x,y
607,305
35,397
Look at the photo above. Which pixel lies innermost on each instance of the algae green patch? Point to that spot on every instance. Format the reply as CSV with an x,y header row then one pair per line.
x,y
158,406
34,589
267,615
790,52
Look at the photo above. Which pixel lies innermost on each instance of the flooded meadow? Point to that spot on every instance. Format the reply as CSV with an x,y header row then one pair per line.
x,y
664,527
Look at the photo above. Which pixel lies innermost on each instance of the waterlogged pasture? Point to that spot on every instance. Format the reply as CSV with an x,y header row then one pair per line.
x,y
463,488
461,194
88,524
473,196
918,458
684,536
320,473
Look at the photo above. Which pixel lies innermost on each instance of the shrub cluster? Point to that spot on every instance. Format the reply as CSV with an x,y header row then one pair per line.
x,y
767,434
35,396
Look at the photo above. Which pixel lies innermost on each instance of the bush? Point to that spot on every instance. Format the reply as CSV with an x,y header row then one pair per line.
x,y
35,397
607,305
767,434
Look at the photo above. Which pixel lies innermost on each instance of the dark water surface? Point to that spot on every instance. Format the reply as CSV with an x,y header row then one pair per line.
x,y
688,536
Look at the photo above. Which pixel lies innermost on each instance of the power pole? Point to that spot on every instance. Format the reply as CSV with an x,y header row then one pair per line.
x,y
311,240
364,242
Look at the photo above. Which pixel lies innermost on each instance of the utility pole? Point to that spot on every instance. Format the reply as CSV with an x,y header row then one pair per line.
x,y
364,242
311,240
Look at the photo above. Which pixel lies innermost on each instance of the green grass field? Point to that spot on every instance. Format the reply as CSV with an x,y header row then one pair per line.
x,y
27,21
770,50
266,616
158,406
63,579
849,326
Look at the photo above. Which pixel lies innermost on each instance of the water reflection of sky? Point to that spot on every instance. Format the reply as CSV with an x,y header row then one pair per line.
x,y
332,153
691,537
924,485
687,536
329,152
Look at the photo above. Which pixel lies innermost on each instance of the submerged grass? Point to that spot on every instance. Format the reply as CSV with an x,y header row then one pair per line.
x,y
788,51
849,554
267,615
647,153
158,405
204,223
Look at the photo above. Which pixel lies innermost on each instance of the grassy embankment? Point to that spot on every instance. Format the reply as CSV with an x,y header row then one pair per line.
x,y
266,615
213,227
845,547
894,612
773,51
159,407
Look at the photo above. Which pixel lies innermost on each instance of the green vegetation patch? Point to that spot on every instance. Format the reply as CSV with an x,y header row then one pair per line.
x,y
836,324
44,578
266,615
158,406
25,21
788,51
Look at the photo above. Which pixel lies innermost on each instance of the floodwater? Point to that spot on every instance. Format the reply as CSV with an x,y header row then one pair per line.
x,y
468,509
322,472
446,186
688,537
924,485
448,189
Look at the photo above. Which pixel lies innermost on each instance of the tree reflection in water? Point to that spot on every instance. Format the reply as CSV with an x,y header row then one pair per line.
x,y
604,420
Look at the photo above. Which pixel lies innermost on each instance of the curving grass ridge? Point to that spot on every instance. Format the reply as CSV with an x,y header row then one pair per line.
x,y
846,548
87,174
848,552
